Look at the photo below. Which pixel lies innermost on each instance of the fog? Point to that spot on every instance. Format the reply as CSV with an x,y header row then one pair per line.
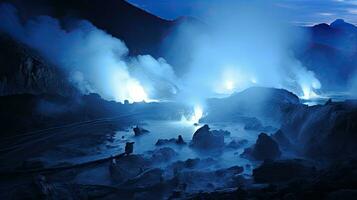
x,y
235,47
239,45
94,60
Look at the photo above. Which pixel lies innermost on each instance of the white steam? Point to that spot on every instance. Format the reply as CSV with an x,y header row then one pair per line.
x,y
96,61
240,45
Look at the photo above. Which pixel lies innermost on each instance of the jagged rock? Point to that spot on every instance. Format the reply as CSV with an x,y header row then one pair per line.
x,y
179,141
129,148
161,142
323,131
205,139
24,71
283,170
139,131
328,102
264,148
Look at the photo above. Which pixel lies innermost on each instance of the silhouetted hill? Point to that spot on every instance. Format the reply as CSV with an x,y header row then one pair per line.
x,y
332,53
141,31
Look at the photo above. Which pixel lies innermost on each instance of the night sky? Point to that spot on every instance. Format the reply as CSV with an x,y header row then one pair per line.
x,y
305,12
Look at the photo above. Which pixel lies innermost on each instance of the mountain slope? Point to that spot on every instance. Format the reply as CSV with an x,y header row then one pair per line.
x,y
23,71
332,53
141,31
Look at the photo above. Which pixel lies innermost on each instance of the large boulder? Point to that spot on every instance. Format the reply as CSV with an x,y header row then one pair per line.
x,y
283,170
178,141
264,148
323,131
138,131
254,102
205,139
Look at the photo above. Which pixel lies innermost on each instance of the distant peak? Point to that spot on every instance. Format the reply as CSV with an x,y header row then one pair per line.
x,y
341,24
338,22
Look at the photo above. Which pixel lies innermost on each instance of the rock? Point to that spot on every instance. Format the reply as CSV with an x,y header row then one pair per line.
x,y
139,131
283,170
129,148
205,139
244,104
328,102
161,142
178,141
324,132
163,154
264,148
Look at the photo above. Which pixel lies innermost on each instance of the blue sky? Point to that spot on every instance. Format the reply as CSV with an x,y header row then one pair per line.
x,y
305,12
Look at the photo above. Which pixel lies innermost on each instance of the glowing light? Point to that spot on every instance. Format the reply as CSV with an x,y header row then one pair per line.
x,y
308,93
137,92
195,117
229,84
198,113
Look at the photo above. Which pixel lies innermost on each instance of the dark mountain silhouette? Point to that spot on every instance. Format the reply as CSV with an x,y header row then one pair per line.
x,y
141,31
332,53
23,71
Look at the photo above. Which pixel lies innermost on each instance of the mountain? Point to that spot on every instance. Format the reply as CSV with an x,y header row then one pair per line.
x,y
141,31
331,53
24,71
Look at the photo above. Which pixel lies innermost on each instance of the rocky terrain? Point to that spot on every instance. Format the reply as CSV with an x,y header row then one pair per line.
x,y
261,143
284,164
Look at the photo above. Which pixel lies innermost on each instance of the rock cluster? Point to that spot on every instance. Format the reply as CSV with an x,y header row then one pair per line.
x,y
205,139
264,148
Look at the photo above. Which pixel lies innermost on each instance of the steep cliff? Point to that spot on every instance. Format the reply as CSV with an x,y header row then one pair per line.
x,y
23,71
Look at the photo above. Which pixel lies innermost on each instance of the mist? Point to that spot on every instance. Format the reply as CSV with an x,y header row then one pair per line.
x,y
235,47
95,61
239,45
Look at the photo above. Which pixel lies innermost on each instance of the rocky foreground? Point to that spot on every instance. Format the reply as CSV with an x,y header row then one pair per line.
x,y
301,153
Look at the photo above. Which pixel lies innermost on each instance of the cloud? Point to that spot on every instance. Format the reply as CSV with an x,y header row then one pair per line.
x,y
237,50
94,60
